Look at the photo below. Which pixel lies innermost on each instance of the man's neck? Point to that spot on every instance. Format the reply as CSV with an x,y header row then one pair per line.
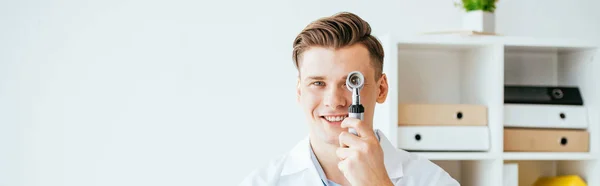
x,y
326,155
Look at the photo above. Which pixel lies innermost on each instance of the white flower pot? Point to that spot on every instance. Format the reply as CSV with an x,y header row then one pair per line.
x,y
479,21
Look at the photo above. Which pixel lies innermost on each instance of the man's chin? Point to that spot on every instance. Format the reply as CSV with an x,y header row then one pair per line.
x,y
328,134
332,137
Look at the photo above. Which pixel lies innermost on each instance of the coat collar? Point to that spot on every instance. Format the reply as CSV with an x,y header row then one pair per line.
x,y
299,158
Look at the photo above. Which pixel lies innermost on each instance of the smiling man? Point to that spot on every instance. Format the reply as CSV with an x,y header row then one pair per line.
x,y
324,53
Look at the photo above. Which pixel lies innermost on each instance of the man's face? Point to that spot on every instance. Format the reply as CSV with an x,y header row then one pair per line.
x,y
322,90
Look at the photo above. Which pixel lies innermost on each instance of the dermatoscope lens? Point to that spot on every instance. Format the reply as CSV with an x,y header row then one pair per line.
x,y
355,80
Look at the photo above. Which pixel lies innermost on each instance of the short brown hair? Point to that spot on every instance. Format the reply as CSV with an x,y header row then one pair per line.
x,y
338,31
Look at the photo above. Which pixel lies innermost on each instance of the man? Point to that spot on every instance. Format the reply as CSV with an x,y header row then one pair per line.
x,y
324,53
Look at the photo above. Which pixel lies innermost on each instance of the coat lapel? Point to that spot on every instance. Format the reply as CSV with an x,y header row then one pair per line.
x,y
392,157
298,168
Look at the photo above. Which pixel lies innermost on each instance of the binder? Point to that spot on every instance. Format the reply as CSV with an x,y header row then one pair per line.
x,y
510,174
442,114
545,116
444,138
545,140
531,94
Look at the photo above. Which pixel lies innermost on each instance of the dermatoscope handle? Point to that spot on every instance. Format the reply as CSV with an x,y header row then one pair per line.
x,y
357,116
356,110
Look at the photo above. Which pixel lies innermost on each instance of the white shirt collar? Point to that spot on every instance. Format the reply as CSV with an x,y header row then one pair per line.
x,y
299,158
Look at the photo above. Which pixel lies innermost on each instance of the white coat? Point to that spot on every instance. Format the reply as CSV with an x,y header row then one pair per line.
x,y
296,168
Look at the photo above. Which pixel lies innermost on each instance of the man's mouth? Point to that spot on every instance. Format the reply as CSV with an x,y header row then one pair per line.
x,y
335,118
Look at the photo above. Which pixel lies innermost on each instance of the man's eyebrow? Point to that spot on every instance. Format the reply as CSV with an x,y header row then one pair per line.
x,y
314,78
323,78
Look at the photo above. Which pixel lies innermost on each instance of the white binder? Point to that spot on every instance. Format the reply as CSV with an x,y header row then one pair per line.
x,y
510,174
444,138
545,116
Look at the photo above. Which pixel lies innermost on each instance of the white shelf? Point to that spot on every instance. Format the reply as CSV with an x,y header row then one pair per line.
x,y
510,41
458,69
548,156
457,155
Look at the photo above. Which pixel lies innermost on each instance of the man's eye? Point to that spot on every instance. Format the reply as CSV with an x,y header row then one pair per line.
x,y
318,83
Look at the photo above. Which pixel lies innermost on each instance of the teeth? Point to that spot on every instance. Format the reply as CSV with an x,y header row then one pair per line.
x,y
335,118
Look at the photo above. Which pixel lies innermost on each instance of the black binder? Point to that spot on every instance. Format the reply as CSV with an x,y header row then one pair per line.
x,y
531,94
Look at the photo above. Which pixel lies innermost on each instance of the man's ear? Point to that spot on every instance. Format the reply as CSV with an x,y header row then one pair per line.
x,y
383,89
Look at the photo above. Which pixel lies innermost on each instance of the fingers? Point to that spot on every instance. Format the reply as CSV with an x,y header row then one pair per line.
x,y
361,128
343,153
350,140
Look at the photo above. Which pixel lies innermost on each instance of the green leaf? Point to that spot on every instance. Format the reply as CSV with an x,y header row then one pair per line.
x,y
483,5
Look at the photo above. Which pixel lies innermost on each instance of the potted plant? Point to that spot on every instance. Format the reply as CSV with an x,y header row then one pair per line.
x,y
479,15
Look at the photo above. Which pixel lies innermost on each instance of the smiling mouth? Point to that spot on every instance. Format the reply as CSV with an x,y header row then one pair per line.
x,y
337,118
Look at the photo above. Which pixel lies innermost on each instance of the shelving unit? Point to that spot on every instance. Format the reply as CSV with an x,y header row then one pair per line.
x,y
548,156
457,155
456,69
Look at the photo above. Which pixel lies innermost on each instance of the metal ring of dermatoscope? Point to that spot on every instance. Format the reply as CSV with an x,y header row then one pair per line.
x,y
355,80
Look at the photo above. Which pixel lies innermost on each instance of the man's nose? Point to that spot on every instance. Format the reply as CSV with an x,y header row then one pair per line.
x,y
335,97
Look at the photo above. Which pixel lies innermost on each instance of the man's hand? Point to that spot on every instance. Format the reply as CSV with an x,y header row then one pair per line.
x,y
361,156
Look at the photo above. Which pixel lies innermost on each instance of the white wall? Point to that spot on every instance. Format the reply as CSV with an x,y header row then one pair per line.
x,y
132,92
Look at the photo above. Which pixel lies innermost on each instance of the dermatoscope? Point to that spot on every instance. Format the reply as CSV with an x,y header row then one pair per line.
x,y
354,83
